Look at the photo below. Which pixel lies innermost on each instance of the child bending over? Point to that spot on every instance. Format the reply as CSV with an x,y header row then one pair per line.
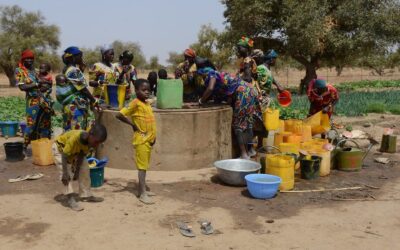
x,y
70,150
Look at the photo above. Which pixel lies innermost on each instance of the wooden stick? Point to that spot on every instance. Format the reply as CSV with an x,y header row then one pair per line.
x,y
321,190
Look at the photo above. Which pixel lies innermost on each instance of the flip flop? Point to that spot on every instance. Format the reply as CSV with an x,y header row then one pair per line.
x,y
34,176
18,178
206,227
185,229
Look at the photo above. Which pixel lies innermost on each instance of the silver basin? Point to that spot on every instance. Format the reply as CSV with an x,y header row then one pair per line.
x,y
233,171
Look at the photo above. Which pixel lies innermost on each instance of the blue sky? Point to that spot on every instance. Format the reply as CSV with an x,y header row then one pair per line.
x,y
159,26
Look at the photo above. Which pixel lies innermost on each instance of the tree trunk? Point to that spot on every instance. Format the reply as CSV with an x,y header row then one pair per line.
x,y
9,71
311,73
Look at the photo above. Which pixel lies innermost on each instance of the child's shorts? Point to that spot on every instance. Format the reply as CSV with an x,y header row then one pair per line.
x,y
142,156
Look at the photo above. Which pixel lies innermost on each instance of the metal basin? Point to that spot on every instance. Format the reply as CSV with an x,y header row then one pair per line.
x,y
233,171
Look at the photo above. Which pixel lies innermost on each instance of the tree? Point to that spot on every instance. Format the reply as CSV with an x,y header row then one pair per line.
x,y
174,59
315,31
20,30
209,45
153,63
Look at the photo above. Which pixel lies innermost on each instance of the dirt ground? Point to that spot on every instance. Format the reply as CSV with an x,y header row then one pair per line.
x,y
33,213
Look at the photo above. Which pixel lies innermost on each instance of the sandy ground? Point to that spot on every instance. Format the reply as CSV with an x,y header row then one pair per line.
x,y
33,213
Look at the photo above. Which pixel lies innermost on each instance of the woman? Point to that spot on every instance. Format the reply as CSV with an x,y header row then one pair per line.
x,y
102,73
38,99
322,96
265,81
125,72
186,71
247,66
74,94
240,94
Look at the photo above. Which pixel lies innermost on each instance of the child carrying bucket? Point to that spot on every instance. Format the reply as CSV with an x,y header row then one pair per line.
x,y
70,150
139,115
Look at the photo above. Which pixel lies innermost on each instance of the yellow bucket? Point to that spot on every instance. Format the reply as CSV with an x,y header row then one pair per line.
x,y
291,148
42,154
319,122
271,119
282,166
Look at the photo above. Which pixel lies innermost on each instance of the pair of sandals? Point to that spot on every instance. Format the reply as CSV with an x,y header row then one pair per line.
x,y
29,177
186,230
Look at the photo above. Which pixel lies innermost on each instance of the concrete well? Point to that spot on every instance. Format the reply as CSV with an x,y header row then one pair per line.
x,y
186,139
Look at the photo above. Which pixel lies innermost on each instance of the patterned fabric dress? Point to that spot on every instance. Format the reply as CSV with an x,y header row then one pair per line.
x,y
75,104
129,78
187,72
244,96
38,107
102,72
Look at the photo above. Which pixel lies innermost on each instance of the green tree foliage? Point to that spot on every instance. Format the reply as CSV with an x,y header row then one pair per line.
x,y
209,45
174,59
20,30
334,32
154,64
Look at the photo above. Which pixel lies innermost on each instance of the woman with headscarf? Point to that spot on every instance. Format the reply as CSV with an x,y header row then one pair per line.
x,y
102,73
186,71
247,66
38,99
322,96
74,94
240,94
125,72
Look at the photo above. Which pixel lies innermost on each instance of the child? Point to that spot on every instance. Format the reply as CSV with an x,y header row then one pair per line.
x,y
139,115
152,78
70,150
45,78
162,74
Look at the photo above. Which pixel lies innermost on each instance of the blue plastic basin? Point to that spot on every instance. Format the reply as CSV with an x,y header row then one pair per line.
x,y
9,128
263,186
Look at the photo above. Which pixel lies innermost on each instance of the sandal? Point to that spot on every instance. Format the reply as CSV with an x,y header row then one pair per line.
x,y
185,229
34,176
17,179
206,227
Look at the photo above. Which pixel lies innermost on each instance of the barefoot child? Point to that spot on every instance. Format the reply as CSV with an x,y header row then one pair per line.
x,y
70,150
139,115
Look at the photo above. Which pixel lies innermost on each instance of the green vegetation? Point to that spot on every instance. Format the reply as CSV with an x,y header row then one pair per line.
x,y
350,104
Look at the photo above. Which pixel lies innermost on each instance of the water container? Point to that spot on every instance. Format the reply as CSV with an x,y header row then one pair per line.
x,y
281,128
271,119
14,151
169,94
294,138
319,122
115,95
325,166
306,134
42,153
9,128
310,167
282,166
290,148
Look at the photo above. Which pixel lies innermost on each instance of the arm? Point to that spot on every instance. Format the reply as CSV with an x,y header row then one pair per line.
x,y
81,158
278,86
209,90
125,119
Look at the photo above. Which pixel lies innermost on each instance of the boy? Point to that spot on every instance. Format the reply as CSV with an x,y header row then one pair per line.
x,y
45,78
70,150
139,115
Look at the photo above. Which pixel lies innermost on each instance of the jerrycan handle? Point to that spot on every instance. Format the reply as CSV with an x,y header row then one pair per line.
x,y
264,149
345,140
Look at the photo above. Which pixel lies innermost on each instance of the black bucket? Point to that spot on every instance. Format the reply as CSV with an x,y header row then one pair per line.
x,y
14,151
310,168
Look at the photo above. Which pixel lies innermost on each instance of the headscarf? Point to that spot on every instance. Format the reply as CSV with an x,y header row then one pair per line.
x,y
190,53
320,83
245,42
271,54
71,51
27,54
106,48
257,53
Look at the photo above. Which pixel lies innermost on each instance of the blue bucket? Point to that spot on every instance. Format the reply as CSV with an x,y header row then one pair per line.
x,y
97,172
262,186
112,91
9,128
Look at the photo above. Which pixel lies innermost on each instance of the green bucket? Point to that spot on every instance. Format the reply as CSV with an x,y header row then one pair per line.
x,y
97,176
310,168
